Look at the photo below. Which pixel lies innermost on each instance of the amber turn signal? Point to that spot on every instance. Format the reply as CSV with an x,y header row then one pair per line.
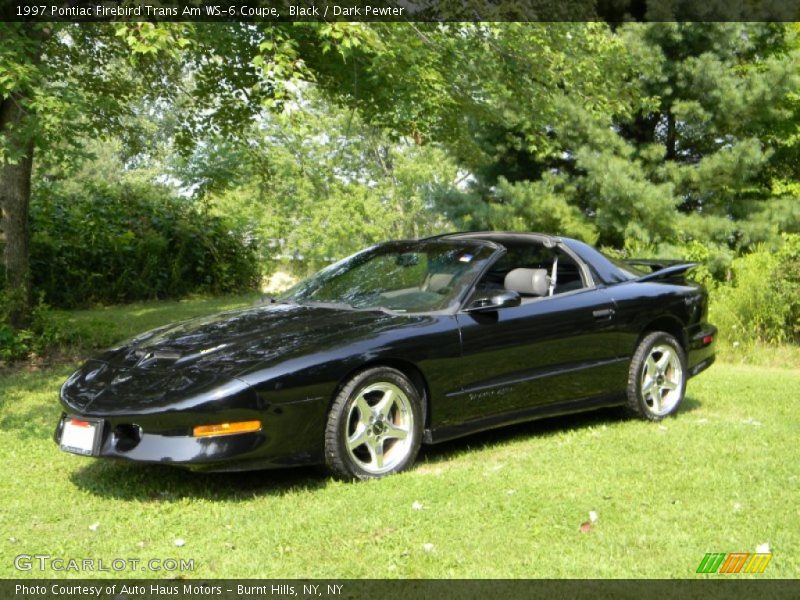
x,y
226,428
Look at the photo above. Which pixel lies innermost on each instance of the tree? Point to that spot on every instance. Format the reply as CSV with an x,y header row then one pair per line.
x,y
484,91
704,149
724,126
17,162
316,181
478,91
63,82
59,82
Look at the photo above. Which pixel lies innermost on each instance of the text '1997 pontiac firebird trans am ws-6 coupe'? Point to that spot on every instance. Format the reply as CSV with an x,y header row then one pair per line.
x,y
402,343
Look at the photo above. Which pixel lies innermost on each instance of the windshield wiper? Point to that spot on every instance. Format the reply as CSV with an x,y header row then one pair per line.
x,y
322,304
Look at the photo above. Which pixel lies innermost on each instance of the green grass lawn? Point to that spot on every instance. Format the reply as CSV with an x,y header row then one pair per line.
x,y
722,476
85,330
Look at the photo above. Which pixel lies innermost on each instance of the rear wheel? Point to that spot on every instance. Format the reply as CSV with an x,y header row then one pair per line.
x,y
374,426
657,377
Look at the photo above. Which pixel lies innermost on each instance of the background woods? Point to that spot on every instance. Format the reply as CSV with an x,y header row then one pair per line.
x,y
142,161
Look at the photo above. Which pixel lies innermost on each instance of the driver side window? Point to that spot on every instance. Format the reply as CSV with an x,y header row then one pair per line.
x,y
531,270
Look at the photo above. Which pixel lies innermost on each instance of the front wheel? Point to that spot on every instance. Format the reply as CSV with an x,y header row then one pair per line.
x,y
657,377
374,425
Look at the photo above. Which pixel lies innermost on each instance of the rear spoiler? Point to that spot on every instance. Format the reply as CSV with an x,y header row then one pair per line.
x,y
662,269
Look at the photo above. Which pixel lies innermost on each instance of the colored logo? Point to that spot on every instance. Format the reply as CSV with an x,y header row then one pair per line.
x,y
734,562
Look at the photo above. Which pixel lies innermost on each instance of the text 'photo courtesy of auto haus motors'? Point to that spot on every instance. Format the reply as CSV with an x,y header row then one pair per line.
x,y
404,343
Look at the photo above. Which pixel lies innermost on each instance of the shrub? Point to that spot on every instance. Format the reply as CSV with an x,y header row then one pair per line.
x,y
761,302
13,344
789,277
124,242
43,334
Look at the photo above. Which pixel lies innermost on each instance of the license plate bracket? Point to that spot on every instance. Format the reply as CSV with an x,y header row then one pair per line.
x,y
80,435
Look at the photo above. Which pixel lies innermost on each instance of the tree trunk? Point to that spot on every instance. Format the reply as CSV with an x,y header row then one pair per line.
x,y
15,192
672,139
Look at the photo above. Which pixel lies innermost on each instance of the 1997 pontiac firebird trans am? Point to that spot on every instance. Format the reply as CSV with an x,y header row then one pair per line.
x,y
402,343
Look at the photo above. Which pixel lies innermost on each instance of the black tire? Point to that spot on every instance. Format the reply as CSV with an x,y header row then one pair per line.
x,y
648,394
377,387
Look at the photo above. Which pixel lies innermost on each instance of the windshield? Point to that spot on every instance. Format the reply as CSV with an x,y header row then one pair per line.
x,y
418,276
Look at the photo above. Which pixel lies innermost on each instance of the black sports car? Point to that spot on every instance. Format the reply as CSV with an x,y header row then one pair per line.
x,y
403,343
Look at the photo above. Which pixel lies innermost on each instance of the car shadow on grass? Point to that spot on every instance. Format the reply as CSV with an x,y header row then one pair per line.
x,y
550,426
162,483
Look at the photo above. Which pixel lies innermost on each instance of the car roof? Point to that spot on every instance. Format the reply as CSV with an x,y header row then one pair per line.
x,y
603,269
500,237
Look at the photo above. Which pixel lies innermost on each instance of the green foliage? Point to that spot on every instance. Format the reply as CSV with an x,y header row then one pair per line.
x,y
696,252
761,303
67,82
128,241
699,142
521,206
14,343
80,80
789,276
317,183
659,139
44,333
489,92
94,241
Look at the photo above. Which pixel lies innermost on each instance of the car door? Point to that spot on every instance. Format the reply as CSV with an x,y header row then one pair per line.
x,y
546,350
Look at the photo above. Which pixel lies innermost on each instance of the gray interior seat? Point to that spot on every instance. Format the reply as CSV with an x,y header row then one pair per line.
x,y
528,282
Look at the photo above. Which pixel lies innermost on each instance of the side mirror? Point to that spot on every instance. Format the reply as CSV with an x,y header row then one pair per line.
x,y
500,300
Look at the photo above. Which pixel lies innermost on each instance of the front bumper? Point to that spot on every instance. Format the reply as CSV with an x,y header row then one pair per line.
x,y
288,438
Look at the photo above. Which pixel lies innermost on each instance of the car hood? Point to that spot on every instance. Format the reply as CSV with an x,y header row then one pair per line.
x,y
258,333
199,357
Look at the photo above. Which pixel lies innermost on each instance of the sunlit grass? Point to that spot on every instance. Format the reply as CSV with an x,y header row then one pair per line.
x,y
84,330
722,476
759,354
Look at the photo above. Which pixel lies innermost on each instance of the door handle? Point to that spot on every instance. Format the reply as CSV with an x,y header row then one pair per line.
x,y
603,314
